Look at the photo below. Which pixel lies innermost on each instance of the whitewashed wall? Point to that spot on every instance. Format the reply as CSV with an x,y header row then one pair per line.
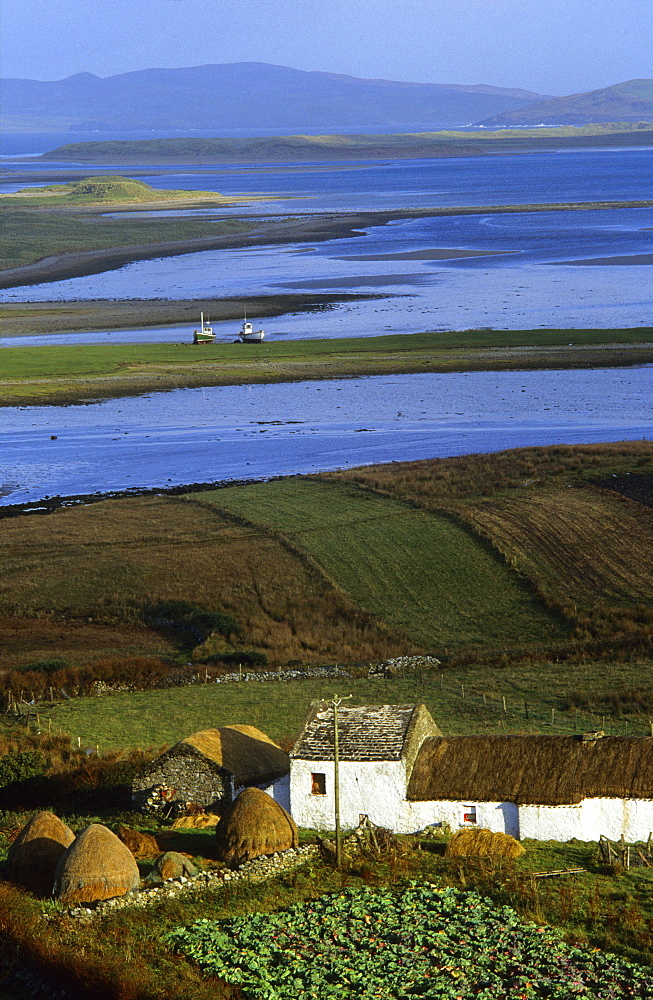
x,y
613,817
377,788
280,791
501,817
551,822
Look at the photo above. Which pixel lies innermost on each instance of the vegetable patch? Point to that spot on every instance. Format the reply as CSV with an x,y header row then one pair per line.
x,y
420,941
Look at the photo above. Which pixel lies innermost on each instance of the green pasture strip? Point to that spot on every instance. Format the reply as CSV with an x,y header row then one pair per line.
x,y
101,359
99,190
419,571
30,236
443,142
462,700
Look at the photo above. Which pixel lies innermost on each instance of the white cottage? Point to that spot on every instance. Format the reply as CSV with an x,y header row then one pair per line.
x,y
544,787
378,745
396,767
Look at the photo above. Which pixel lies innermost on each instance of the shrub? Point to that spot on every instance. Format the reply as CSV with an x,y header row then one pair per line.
x,y
246,657
20,765
193,618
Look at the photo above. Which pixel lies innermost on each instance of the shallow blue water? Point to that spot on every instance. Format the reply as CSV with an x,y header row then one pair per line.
x,y
240,432
524,279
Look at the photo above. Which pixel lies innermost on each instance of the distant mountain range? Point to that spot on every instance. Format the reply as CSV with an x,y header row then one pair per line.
x,y
624,102
246,96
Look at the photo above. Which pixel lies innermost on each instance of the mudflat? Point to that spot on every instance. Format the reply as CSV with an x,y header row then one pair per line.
x,y
260,231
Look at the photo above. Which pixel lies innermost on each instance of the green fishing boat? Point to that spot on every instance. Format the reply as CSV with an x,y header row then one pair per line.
x,y
205,334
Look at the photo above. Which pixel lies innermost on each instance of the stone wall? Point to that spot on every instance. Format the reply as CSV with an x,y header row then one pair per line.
x,y
191,775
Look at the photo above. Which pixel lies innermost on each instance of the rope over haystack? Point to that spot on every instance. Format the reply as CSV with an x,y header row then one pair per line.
x,y
254,824
96,866
35,853
482,844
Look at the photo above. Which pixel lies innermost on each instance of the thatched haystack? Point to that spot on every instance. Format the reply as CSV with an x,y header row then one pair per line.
x,y
96,866
199,822
142,845
254,824
35,853
482,844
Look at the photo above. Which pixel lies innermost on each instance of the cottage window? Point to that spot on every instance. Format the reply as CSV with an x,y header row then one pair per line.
x,y
469,815
318,784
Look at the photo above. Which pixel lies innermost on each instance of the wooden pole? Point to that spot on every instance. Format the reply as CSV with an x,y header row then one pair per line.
x,y
336,776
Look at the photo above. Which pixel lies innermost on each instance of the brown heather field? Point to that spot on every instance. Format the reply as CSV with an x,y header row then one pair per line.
x,y
589,549
585,549
102,564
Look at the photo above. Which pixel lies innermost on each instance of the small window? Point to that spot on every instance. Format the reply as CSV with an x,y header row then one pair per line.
x,y
469,816
318,784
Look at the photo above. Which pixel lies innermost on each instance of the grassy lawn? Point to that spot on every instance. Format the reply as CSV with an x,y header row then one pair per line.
x,y
462,700
419,571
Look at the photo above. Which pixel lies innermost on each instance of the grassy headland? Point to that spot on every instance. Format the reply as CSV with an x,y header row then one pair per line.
x,y
71,373
326,147
65,220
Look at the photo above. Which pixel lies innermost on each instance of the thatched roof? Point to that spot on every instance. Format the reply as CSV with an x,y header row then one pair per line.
x,y
97,865
254,824
538,770
370,732
33,857
246,752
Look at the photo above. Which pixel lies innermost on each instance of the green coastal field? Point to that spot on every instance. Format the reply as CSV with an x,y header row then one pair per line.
x,y
69,373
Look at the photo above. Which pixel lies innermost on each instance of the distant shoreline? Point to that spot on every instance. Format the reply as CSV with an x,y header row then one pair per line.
x,y
304,148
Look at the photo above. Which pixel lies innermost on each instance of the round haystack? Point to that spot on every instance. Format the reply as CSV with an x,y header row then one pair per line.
x,y
96,866
482,844
142,845
254,824
35,853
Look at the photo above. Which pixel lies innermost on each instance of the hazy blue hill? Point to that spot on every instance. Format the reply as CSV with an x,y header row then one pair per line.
x,y
245,95
631,101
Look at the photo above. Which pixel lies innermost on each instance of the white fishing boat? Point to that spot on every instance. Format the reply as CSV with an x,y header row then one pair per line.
x,y
248,335
205,334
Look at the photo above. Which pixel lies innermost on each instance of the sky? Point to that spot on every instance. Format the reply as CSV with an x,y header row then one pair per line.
x,y
547,46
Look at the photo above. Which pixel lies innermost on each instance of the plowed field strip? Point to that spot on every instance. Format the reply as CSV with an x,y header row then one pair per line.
x,y
583,544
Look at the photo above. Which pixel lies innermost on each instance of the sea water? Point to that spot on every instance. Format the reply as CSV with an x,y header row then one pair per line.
x,y
533,269
258,431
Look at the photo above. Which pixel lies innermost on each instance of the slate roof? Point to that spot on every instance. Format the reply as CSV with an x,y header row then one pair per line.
x,y
370,732
535,770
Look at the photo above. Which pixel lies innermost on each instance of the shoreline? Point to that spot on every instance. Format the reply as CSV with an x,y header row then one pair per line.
x,y
68,316
266,230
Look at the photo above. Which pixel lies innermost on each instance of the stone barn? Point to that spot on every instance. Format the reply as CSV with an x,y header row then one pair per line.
x,y
378,745
209,768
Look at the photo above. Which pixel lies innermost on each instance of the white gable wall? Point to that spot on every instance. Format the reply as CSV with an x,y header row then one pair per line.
x,y
376,788
279,791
